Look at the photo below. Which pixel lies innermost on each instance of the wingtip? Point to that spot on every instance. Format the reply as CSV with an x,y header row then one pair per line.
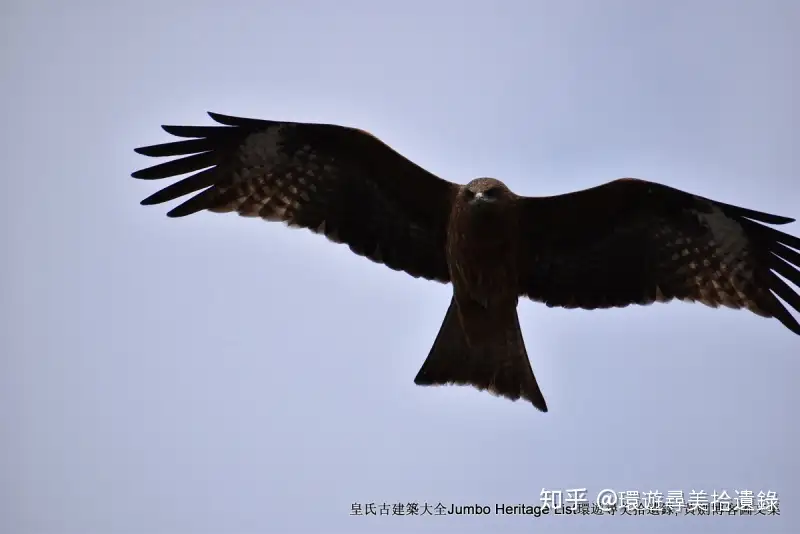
x,y
760,216
231,120
182,211
150,150
225,120
789,322
538,403
780,219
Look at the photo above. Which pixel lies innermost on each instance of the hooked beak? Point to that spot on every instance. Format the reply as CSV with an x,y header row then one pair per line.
x,y
480,198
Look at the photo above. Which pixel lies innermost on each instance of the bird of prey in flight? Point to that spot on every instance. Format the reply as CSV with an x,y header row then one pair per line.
x,y
628,241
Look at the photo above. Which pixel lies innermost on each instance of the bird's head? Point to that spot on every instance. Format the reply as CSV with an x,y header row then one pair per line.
x,y
485,192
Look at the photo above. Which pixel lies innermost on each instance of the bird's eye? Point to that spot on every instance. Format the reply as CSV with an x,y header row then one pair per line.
x,y
469,193
492,192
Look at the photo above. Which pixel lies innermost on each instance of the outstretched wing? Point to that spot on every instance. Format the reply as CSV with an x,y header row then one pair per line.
x,y
636,242
336,181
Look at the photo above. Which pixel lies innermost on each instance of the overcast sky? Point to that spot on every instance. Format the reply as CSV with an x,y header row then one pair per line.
x,y
224,375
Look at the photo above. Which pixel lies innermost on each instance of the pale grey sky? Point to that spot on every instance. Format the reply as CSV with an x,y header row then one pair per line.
x,y
223,375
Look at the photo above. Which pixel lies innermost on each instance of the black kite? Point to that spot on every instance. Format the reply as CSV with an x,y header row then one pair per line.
x,y
626,242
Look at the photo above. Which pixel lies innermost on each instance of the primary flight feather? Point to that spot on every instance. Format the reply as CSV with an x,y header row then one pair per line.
x,y
625,242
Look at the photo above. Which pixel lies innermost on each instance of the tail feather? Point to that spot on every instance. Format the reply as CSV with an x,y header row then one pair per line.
x,y
500,366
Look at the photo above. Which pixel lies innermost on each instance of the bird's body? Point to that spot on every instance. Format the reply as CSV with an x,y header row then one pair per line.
x,y
625,242
480,342
481,244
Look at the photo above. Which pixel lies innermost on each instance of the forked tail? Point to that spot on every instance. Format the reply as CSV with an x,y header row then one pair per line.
x,y
499,365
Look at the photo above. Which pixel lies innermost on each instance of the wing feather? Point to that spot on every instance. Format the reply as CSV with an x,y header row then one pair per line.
x,y
182,187
632,241
178,166
333,180
178,148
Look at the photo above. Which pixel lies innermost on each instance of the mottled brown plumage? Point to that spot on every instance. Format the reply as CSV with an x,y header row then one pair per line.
x,y
625,242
